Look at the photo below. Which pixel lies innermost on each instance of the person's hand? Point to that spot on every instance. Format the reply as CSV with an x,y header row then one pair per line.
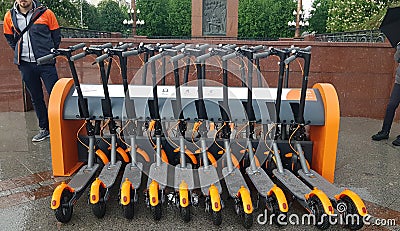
x,y
397,54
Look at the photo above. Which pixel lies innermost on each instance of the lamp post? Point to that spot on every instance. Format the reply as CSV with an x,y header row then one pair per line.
x,y
300,20
133,20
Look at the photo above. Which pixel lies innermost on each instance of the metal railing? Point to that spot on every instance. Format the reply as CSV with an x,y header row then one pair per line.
x,y
67,32
367,36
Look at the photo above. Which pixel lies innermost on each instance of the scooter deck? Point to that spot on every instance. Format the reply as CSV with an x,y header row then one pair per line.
x,y
207,177
184,174
292,183
109,173
261,180
159,174
316,180
134,174
82,177
234,181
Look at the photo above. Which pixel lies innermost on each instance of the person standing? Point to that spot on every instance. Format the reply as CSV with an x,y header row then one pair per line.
x,y
394,102
32,31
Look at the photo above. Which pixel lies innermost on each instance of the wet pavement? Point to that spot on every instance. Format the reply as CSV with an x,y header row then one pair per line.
x,y
369,168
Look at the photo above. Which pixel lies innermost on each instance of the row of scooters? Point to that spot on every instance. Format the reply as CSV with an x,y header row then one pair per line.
x,y
311,190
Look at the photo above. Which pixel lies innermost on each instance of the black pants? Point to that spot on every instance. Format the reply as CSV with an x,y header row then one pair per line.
x,y
391,108
32,75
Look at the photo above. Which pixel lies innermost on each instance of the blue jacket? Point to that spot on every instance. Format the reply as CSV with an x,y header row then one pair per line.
x,y
41,37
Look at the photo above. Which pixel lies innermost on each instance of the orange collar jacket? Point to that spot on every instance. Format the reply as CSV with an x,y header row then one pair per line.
x,y
37,42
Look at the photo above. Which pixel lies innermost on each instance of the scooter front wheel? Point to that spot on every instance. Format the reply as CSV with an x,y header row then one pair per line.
x,y
64,212
352,210
99,208
216,217
129,209
156,211
315,204
280,217
185,213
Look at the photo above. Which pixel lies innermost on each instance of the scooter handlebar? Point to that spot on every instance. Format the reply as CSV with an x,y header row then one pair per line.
x,y
203,47
202,58
178,47
229,46
106,45
124,46
257,48
165,46
101,58
77,46
290,59
46,58
306,49
262,55
129,53
78,56
177,57
229,56
156,57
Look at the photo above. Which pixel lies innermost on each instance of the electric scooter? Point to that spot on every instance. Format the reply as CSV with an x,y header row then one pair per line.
x,y
65,195
313,200
354,204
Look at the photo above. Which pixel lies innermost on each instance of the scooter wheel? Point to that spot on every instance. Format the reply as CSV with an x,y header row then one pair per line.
x,y
128,210
315,204
352,210
216,217
99,209
185,213
247,220
156,211
273,207
64,212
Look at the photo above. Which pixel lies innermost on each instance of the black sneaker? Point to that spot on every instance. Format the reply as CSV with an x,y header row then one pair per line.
x,y
43,134
381,136
396,142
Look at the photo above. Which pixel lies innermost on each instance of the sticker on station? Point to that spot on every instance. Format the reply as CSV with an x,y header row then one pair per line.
x,y
144,91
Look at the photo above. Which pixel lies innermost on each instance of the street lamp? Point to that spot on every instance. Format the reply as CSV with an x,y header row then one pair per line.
x,y
133,20
300,19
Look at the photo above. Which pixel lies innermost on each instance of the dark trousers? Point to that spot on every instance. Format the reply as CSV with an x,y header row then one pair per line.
x,y
391,108
32,74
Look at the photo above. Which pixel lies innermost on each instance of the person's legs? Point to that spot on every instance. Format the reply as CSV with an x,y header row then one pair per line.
x,y
49,76
391,108
31,77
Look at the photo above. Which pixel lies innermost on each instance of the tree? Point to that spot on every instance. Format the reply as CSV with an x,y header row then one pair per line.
x,y
90,16
179,17
350,15
265,18
155,15
319,16
111,16
5,5
66,12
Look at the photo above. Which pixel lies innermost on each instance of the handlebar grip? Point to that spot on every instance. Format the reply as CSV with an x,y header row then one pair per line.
x,y
261,55
103,46
77,46
177,57
180,46
45,59
229,56
129,53
101,58
244,47
229,46
306,49
165,46
156,57
257,48
78,56
125,46
202,58
203,47
290,59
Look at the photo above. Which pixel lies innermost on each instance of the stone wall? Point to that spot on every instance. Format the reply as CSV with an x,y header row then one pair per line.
x,y
363,73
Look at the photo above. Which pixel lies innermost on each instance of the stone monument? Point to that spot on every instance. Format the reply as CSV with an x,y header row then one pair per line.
x,y
215,18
